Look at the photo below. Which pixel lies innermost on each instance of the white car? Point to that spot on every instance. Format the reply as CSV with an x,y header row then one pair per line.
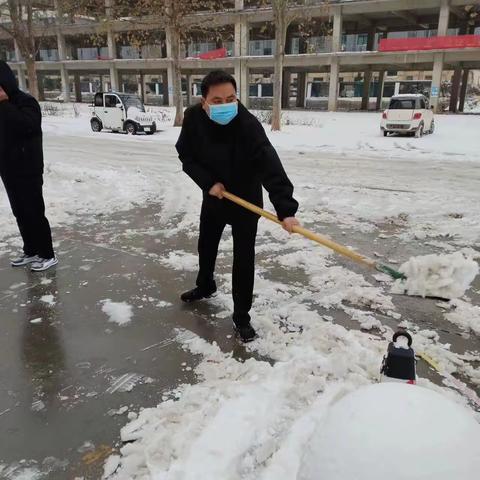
x,y
408,114
121,112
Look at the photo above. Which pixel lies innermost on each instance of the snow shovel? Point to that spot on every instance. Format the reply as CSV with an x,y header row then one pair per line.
x,y
346,252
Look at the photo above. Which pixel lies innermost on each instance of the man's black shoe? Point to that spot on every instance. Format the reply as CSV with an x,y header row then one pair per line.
x,y
246,332
197,294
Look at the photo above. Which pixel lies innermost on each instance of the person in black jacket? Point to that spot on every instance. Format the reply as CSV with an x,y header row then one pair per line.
x,y
21,170
222,146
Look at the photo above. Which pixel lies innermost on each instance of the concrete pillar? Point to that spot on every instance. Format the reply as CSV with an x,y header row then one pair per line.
x,y
141,86
286,81
457,76
18,55
168,93
65,83
333,89
189,90
62,55
112,44
22,79
367,79
41,89
114,78
242,37
61,46
337,30
165,87
436,81
77,88
463,90
381,84
371,39
443,18
242,78
301,89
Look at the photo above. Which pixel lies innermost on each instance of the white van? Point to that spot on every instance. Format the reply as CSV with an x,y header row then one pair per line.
x,y
408,114
121,112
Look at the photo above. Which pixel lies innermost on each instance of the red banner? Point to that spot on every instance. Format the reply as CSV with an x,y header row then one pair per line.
x,y
213,54
431,43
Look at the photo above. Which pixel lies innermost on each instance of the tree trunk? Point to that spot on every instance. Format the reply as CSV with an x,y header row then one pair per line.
x,y
280,38
177,79
32,75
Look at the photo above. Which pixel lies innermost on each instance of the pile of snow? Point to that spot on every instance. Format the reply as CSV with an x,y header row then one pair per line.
x,y
397,432
443,276
463,314
120,313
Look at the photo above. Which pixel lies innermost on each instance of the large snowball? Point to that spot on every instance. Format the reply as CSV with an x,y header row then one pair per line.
x,y
394,431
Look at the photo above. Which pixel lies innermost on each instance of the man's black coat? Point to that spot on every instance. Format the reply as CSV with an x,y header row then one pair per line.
x,y
240,156
21,123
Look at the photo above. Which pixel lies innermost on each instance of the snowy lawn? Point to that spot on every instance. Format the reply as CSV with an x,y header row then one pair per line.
x,y
254,419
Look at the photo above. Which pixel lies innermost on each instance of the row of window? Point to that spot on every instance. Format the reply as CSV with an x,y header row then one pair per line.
x,y
322,44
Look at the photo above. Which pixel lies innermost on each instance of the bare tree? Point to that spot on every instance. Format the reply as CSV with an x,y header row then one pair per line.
x,y
20,20
179,20
176,17
284,13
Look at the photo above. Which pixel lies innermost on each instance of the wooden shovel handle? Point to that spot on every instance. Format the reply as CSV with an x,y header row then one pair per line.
x,y
303,231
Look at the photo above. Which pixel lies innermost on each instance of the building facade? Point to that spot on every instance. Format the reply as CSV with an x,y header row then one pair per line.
x,y
336,64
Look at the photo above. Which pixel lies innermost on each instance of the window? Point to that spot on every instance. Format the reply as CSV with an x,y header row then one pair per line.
x,y
422,104
392,73
407,104
99,100
110,101
267,89
132,101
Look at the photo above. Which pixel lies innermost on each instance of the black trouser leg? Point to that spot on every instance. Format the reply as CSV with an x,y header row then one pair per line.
x,y
211,229
26,199
244,235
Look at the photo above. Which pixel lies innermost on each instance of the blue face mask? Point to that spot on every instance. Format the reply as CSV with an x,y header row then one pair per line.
x,y
223,113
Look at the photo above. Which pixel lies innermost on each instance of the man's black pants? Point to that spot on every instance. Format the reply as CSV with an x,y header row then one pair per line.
x,y
244,231
26,199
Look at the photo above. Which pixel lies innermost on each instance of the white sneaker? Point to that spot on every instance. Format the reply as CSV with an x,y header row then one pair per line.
x,y
43,264
24,260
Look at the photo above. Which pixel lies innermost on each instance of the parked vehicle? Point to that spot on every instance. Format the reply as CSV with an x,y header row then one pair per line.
x,y
408,114
121,112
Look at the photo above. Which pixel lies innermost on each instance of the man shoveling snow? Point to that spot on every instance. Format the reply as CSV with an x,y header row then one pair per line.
x,y
222,145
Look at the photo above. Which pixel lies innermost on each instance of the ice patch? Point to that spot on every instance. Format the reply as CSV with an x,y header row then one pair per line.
x,y
444,276
120,313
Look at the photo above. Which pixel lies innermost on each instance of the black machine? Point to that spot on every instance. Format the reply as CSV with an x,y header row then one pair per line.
x,y
399,363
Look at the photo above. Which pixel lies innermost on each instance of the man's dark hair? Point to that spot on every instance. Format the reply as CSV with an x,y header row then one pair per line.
x,y
217,77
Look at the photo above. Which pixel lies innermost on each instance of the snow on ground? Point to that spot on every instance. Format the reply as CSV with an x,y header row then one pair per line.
x,y
360,178
443,276
252,419
387,420
120,313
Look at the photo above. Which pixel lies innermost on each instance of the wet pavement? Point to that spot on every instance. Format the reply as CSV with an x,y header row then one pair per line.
x,y
64,366
66,371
